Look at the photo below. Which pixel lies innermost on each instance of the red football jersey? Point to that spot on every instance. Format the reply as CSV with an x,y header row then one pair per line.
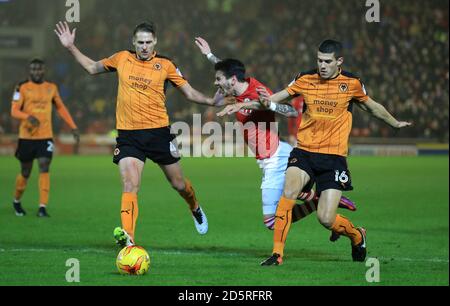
x,y
294,123
261,135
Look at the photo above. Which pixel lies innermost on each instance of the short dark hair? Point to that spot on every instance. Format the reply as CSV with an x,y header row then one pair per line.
x,y
147,27
37,61
331,46
231,67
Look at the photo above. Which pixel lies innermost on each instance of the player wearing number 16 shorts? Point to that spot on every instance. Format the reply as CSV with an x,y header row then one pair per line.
x,y
322,138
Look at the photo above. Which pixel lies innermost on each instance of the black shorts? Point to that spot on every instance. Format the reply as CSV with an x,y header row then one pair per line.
x,y
326,170
159,145
28,150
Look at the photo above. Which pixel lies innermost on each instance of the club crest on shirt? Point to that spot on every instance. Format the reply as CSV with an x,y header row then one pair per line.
x,y
343,87
246,112
157,66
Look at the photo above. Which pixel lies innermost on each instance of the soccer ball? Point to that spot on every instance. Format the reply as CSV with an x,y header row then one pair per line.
x,y
133,260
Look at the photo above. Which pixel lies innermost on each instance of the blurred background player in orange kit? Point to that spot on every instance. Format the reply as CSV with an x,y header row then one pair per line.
x,y
33,103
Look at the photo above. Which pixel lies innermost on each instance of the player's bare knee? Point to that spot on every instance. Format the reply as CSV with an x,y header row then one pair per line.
x,y
130,186
44,168
44,165
326,221
292,188
26,173
178,184
25,169
291,193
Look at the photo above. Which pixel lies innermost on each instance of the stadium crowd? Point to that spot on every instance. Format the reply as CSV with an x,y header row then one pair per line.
x,y
403,60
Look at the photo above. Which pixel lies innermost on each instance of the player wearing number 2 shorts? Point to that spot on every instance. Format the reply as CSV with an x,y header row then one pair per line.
x,y
32,104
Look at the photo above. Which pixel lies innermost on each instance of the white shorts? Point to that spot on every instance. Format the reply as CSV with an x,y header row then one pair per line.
x,y
273,170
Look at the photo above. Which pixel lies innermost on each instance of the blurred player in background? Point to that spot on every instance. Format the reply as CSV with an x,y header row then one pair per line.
x,y
322,145
142,120
33,103
271,153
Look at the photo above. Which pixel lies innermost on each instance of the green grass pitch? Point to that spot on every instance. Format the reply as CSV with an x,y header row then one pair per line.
x,y
402,201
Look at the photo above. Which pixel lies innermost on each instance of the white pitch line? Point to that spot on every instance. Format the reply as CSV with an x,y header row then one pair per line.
x,y
415,260
100,251
200,253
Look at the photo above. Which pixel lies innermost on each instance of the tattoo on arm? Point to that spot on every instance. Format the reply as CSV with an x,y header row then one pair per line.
x,y
286,110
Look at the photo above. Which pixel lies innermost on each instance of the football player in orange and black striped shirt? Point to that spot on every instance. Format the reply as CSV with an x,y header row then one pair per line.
x,y
320,156
33,103
142,119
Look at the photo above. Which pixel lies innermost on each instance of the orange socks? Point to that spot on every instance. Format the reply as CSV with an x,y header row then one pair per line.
x,y
21,184
283,222
189,195
343,226
44,188
129,212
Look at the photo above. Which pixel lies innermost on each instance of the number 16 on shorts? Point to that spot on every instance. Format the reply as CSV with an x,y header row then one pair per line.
x,y
341,177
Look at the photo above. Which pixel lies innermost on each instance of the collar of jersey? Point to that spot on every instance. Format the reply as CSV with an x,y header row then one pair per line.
x,y
339,73
146,61
31,81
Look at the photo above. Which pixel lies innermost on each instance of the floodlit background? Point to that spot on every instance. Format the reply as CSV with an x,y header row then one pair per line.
x,y
403,60
400,177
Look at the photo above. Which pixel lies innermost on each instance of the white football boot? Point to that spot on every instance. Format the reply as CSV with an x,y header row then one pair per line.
x,y
200,221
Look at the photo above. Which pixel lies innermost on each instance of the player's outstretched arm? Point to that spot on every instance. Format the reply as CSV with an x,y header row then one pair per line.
x,y
230,109
195,96
234,108
220,99
203,45
279,108
67,39
272,102
379,111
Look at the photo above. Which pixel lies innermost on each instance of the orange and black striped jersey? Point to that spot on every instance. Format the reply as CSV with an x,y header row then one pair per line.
x,y
142,89
37,99
327,117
